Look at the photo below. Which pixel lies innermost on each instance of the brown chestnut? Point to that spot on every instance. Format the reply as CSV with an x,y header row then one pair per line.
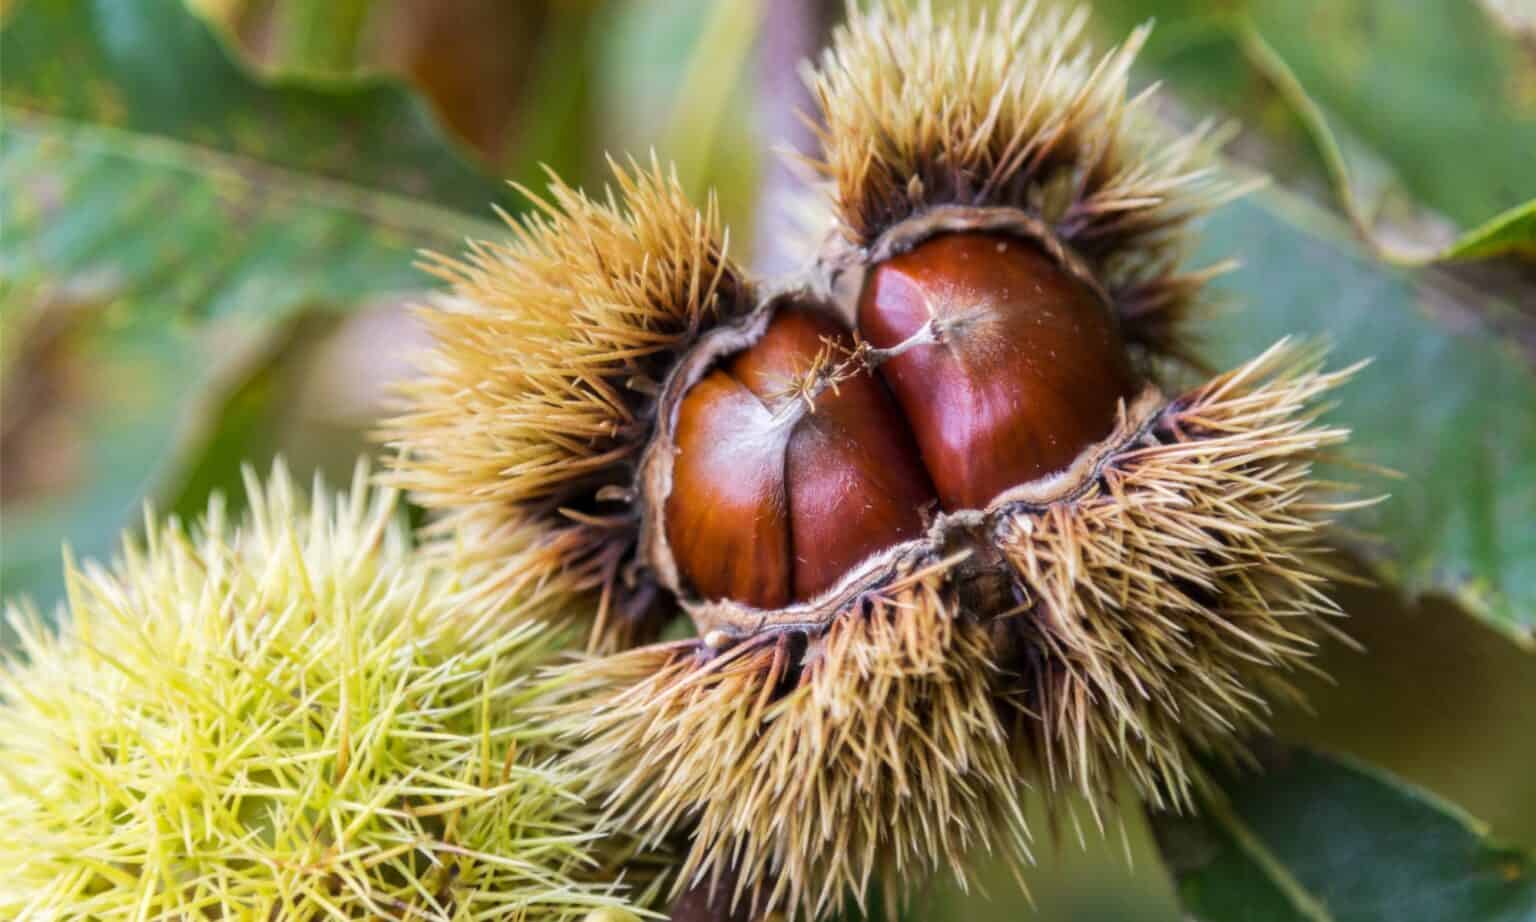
x,y
1002,367
776,493
1012,367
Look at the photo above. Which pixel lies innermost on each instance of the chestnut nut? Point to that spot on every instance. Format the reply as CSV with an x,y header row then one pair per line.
x,y
992,365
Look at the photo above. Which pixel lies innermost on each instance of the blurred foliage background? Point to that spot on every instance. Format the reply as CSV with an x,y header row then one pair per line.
x,y
210,210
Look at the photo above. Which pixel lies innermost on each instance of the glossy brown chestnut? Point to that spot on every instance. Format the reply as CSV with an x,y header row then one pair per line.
x,y
773,497
1025,370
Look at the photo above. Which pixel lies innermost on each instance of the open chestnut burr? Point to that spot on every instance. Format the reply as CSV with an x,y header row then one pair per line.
x,y
942,522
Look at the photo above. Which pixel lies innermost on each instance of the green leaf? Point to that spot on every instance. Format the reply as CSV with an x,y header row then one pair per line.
x,y
321,36
1433,89
168,230
183,211
1449,403
1512,233
1311,838
151,67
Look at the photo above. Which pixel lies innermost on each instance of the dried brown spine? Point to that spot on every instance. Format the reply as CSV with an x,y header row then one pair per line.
x,y
538,399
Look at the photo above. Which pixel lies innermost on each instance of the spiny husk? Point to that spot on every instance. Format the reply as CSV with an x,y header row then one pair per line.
x,y
284,717
1158,608
1181,591
1154,602
1009,108
882,752
539,390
